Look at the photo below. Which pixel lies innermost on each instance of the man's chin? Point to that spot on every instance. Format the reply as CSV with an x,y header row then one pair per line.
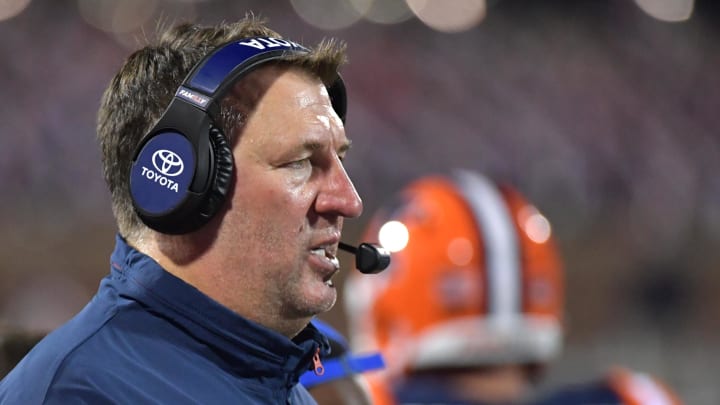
x,y
310,305
327,302
323,302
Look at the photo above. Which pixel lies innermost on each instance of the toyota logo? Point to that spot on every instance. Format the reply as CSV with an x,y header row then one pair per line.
x,y
167,162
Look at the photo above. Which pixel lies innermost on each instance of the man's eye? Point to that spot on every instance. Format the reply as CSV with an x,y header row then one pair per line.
x,y
298,164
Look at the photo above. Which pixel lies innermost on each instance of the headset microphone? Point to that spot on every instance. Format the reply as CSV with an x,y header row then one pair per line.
x,y
369,259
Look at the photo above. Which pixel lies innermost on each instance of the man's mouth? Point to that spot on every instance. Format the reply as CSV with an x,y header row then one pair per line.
x,y
331,261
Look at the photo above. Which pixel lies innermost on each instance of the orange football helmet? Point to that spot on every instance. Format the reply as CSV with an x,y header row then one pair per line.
x,y
475,279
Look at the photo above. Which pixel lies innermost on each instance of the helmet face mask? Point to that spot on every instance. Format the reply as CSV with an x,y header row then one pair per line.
x,y
475,282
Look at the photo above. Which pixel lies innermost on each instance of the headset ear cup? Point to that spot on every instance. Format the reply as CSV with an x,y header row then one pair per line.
x,y
223,173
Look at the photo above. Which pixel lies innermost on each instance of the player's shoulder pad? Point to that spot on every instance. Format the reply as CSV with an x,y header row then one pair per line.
x,y
640,388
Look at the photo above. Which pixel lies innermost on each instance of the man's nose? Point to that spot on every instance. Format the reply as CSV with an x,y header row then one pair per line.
x,y
338,194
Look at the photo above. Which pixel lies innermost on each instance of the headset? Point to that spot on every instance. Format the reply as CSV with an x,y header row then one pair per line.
x,y
182,169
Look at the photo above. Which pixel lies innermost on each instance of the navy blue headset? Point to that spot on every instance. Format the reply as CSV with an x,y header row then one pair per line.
x,y
182,169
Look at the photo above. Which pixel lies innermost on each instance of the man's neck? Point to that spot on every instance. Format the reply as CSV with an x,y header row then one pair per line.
x,y
175,255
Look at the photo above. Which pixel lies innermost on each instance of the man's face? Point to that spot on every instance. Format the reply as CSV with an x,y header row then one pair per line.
x,y
284,219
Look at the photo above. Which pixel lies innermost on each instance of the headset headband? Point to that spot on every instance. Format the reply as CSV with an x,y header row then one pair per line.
x,y
209,80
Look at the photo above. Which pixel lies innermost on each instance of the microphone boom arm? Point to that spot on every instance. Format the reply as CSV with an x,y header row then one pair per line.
x,y
369,258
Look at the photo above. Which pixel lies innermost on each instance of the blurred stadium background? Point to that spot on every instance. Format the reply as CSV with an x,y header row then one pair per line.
x,y
604,113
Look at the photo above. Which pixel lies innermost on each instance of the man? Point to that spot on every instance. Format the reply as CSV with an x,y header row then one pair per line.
x,y
470,310
229,192
342,382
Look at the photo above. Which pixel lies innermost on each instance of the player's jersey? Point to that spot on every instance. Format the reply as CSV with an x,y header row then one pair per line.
x,y
620,387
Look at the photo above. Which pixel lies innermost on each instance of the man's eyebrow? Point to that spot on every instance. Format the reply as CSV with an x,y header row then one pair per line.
x,y
313,146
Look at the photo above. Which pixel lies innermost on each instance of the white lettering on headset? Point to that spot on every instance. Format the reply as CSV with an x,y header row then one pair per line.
x,y
196,98
160,179
262,43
